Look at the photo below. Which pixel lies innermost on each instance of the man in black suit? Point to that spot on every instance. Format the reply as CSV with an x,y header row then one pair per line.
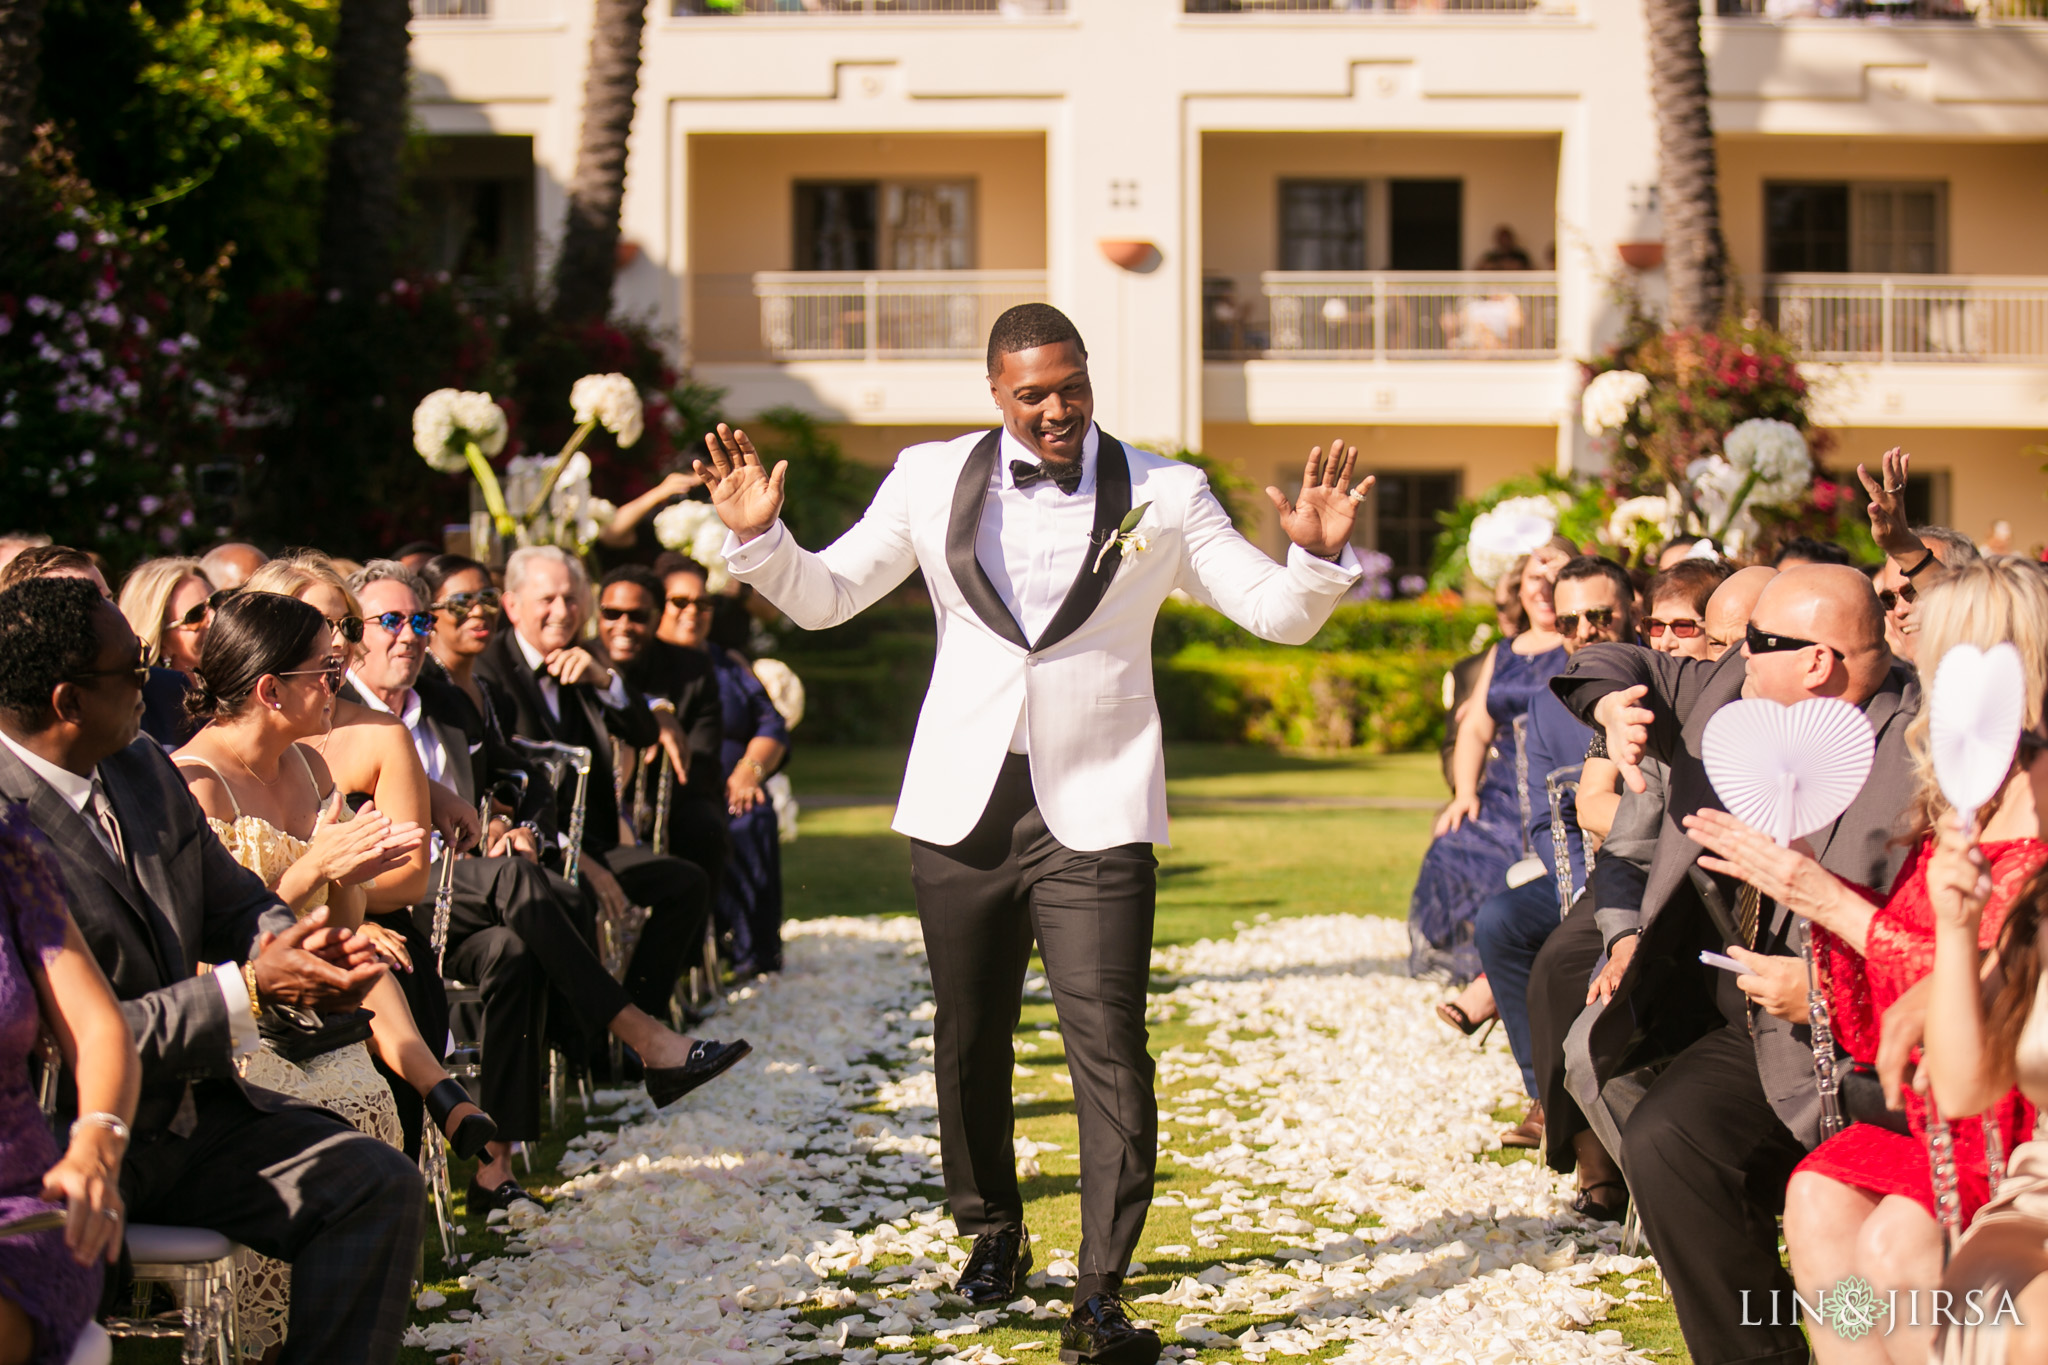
x,y
155,893
552,688
1710,1146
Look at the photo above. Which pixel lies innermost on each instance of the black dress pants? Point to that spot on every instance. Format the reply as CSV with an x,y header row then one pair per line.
x,y
981,902
677,895
302,1186
1557,996
515,931
1707,1161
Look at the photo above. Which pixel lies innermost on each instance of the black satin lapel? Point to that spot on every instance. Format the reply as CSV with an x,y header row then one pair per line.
x,y
969,496
1112,504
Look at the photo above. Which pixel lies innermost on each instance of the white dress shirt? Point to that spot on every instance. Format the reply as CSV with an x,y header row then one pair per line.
x,y
78,792
433,754
614,693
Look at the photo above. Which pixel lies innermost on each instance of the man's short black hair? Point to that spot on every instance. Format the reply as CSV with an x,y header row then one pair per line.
x,y
639,575
48,633
1593,566
1027,327
1812,551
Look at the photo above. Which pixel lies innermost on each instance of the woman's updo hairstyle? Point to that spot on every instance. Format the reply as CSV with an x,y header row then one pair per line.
x,y
253,634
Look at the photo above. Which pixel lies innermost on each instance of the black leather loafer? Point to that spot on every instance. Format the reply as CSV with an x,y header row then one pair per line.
x,y
995,1269
482,1201
1099,1332
708,1061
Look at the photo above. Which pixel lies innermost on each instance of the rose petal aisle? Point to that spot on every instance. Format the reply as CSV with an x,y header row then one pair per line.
x,y
1336,1120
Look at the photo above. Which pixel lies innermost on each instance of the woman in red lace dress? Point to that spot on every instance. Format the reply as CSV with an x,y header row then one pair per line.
x,y
1863,1202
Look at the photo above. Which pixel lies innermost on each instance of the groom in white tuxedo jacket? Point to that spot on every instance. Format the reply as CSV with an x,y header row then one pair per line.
x,y
1037,784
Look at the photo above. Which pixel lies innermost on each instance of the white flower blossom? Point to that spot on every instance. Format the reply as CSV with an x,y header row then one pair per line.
x,y
1776,453
612,402
1610,399
693,528
1638,523
1507,531
446,420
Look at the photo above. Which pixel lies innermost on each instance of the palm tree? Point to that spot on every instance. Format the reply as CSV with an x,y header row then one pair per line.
x,y
360,218
21,34
590,232
1695,257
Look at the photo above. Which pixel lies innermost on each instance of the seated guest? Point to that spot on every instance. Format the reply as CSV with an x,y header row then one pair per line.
x,y
13,543
1864,1203
683,688
154,892
169,604
1914,556
50,1281
1710,1145
1594,602
755,743
52,561
414,554
1987,1031
513,928
1806,550
546,685
1479,834
231,565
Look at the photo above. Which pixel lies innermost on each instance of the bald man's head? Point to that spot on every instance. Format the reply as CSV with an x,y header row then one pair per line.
x,y
1834,611
1728,609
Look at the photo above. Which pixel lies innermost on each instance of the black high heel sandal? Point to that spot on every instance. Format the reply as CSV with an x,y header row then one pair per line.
x,y
1594,1210
470,1135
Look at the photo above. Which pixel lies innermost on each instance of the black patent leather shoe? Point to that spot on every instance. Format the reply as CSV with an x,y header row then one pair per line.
x,y
708,1061
482,1201
995,1269
1099,1332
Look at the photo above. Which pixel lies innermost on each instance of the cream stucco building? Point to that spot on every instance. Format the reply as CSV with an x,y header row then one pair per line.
x,y
1267,216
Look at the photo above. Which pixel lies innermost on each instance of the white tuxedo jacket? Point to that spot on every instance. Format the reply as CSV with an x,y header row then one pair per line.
x,y
1085,685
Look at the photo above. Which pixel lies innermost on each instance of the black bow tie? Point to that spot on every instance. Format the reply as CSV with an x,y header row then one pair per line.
x,y
1023,473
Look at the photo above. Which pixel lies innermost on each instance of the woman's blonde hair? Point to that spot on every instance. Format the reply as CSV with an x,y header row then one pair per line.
x,y
146,597
1980,603
293,573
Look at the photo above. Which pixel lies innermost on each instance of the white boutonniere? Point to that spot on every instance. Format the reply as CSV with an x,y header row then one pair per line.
x,y
1128,537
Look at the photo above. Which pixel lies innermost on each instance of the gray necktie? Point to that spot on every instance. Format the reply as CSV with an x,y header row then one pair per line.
x,y
109,828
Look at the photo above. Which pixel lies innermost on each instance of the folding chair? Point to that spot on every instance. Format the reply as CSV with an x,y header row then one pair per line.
x,y
559,761
1557,785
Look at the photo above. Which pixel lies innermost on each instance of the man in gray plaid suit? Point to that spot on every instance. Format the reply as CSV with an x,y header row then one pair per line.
x,y
154,894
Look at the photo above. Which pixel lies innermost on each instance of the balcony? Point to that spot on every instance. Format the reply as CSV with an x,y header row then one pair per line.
x,y
451,9
1393,315
1344,8
1888,11
806,9
1946,319
887,314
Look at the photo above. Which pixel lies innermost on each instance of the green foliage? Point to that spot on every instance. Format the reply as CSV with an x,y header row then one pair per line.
x,y
107,406
1232,489
825,492
1423,624
1380,703
207,118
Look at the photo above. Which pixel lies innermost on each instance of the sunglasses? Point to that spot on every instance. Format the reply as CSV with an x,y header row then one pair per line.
x,y
391,621
137,674
1600,618
330,674
1891,600
349,628
1684,627
690,603
1768,642
633,614
462,604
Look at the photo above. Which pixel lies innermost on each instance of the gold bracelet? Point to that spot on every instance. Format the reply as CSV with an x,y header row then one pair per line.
x,y
249,979
760,773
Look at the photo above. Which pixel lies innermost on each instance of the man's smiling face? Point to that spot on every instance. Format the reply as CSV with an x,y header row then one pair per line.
x,y
1046,399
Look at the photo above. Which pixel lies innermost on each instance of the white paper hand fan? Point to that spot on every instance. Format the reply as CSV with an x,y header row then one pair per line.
x,y
1973,723
1787,770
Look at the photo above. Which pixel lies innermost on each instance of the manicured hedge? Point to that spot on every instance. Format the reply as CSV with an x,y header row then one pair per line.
x,y
1371,680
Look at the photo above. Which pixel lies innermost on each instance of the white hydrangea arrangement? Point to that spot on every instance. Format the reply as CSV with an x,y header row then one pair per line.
x,y
1766,464
1610,399
569,516
693,528
1637,524
1505,532
457,429
609,401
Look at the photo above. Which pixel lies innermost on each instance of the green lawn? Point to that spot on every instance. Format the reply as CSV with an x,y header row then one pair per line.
x,y
1236,855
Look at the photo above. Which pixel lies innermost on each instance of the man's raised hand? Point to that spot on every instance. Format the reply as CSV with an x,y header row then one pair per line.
x,y
748,498
1628,731
1321,521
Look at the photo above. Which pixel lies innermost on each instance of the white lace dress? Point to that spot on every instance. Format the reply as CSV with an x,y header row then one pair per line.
x,y
344,1081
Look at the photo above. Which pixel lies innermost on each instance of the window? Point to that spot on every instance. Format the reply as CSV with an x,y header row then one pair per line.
x,y
472,200
1425,224
1402,521
877,225
1874,229
1322,225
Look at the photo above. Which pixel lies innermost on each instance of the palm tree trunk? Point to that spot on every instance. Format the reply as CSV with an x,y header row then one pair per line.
x,y
360,219
590,233
1695,257
21,35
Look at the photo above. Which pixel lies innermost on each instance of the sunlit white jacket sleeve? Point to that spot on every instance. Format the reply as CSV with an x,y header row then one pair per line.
x,y
817,590
1286,604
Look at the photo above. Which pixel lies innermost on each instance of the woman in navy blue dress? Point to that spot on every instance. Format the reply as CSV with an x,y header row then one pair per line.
x,y
756,743
50,1280
1479,834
